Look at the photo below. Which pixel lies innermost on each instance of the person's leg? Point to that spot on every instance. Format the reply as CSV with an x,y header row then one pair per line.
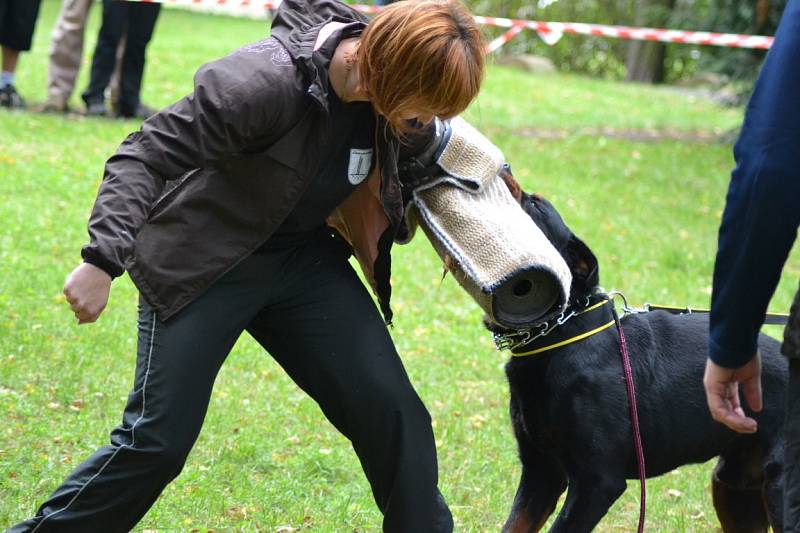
x,y
9,55
9,97
10,59
17,24
112,92
324,329
66,51
113,26
177,363
141,23
791,461
791,491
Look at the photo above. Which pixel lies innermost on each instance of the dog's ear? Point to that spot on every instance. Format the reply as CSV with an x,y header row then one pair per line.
x,y
583,265
512,184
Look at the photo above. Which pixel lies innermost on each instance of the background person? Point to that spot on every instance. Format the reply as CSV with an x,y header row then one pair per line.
x,y
136,22
17,23
758,228
66,53
275,138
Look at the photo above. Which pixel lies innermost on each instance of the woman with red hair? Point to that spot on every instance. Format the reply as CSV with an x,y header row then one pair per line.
x,y
235,209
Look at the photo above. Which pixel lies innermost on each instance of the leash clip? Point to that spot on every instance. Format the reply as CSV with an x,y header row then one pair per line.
x,y
626,308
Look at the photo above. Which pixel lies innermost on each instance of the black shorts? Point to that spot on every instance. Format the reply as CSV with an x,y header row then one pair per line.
x,y
17,22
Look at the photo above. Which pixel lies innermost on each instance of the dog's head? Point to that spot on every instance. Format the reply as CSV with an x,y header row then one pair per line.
x,y
580,259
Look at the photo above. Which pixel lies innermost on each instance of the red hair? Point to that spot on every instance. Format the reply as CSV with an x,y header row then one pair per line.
x,y
424,55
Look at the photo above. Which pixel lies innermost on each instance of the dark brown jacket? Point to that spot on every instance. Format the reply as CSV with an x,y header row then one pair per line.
x,y
208,180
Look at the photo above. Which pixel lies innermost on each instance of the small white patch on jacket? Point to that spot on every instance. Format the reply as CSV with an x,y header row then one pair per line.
x,y
360,161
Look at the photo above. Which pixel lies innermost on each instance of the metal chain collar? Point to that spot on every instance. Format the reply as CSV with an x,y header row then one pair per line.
x,y
512,340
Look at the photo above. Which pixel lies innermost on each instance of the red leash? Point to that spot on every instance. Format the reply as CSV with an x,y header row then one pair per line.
x,y
637,436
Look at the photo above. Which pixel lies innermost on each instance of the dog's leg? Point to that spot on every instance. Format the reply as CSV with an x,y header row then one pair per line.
x,y
542,482
738,503
588,500
773,488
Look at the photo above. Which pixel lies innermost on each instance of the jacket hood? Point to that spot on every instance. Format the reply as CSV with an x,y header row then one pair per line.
x,y
297,25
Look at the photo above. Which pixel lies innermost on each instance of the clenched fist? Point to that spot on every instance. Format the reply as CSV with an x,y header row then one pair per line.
x,y
87,289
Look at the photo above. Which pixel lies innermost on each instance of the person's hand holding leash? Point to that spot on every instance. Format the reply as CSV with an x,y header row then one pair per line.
x,y
722,393
86,289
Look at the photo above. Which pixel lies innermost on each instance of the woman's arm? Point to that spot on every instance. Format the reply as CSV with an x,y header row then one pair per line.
x,y
231,109
237,104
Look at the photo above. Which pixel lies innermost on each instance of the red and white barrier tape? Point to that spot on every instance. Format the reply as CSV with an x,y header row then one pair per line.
x,y
550,32
503,39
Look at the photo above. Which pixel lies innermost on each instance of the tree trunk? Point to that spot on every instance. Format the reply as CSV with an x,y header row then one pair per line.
x,y
644,60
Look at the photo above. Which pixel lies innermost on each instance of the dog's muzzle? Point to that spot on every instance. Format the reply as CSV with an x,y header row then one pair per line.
x,y
493,248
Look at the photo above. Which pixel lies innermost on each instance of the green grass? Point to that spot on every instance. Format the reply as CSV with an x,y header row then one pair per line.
x,y
266,457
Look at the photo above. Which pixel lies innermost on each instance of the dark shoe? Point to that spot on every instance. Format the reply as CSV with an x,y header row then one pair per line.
x,y
142,112
10,98
96,109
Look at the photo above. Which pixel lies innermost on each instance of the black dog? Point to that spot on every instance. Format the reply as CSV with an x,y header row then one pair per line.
x,y
570,415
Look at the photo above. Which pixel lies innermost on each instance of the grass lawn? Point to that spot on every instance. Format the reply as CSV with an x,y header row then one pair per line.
x,y
267,460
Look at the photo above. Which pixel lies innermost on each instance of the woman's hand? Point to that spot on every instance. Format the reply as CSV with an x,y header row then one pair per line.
x,y
87,289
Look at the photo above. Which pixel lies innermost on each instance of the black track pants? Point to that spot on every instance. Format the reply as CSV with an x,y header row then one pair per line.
x,y
308,308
